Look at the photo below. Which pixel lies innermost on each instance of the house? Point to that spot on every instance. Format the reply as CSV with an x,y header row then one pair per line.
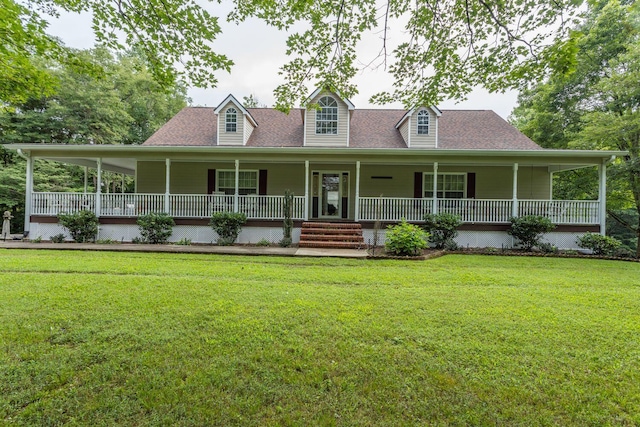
x,y
344,165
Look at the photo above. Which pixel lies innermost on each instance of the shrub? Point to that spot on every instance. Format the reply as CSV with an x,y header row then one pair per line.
x,y
406,239
529,230
263,242
184,242
155,227
58,238
442,229
106,241
137,240
287,225
228,226
599,244
82,225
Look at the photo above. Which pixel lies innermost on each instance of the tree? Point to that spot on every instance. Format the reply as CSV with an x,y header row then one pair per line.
x,y
594,106
164,32
252,101
447,48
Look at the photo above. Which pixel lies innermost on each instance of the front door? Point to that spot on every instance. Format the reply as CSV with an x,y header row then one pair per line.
x,y
330,195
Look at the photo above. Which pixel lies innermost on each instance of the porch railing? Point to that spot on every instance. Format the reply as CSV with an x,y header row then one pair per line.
x,y
579,212
388,209
563,211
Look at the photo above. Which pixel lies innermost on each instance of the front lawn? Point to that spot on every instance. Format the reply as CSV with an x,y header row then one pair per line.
x,y
99,338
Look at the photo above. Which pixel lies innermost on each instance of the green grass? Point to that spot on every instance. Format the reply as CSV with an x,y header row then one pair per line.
x,y
89,338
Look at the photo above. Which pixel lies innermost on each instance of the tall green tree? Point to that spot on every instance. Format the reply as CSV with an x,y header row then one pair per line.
x,y
446,47
594,105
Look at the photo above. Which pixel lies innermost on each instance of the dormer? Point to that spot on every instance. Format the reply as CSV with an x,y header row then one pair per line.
x,y
419,127
326,119
235,123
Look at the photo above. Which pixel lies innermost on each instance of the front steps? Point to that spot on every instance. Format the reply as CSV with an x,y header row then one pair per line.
x,y
339,235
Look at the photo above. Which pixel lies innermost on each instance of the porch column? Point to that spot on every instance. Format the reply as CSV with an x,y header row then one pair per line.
x,y
357,207
86,178
99,188
306,190
167,183
602,197
434,207
28,195
514,207
236,192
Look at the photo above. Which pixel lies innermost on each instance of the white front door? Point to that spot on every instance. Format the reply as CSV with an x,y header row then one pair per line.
x,y
330,190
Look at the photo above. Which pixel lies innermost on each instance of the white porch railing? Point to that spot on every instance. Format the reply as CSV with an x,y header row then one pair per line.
x,y
477,210
51,204
388,209
562,211
394,208
127,204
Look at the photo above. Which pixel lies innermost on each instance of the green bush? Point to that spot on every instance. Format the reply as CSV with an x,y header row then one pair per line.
x,y
183,242
406,239
599,244
263,242
228,226
82,225
58,238
529,230
155,228
442,229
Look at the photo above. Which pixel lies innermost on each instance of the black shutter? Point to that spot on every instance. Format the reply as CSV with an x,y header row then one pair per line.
x,y
262,182
471,185
417,185
211,181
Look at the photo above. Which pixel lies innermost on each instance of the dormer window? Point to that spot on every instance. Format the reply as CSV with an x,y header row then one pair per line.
x,y
327,116
231,120
423,122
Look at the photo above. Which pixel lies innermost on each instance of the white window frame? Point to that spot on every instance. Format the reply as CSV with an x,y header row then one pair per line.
x,y
421,126
330,125
241,190
427,191
231,112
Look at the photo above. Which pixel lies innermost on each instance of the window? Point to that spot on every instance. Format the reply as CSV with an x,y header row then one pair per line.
x,y
423,122
327,116
450,185
247,182
231,120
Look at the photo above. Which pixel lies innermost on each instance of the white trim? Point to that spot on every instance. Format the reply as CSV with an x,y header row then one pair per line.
x,y
226,122
256,171
409,113
340,191
99,187
464,175
436,135
232,98
602,196
167,185
409,133
28,194
418,116
514,211
356,214
315,120
236,193
320,90
306,190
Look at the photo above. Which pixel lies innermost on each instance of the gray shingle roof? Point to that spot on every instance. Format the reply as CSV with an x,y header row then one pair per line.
x,y
457,129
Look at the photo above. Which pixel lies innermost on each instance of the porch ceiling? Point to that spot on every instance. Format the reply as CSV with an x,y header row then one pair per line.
x,y
123,159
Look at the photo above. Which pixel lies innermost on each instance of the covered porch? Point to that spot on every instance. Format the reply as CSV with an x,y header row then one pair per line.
x,y
483,187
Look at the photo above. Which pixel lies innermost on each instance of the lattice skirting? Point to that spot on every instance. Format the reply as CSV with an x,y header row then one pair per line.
x,y
201,234
491,239
196,233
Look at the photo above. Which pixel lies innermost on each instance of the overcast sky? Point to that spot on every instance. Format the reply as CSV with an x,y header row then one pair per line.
x,y
258,52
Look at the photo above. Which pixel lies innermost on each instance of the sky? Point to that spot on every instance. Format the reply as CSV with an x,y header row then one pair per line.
x,y
258,52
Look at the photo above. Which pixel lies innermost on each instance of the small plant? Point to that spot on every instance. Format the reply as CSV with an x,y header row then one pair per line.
x,y
155,228
263,242
599,244
137,240
406,239
82,225
443,228
183,242
107,242
228,226
529,229
58,238
548,248
285,242
37,240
